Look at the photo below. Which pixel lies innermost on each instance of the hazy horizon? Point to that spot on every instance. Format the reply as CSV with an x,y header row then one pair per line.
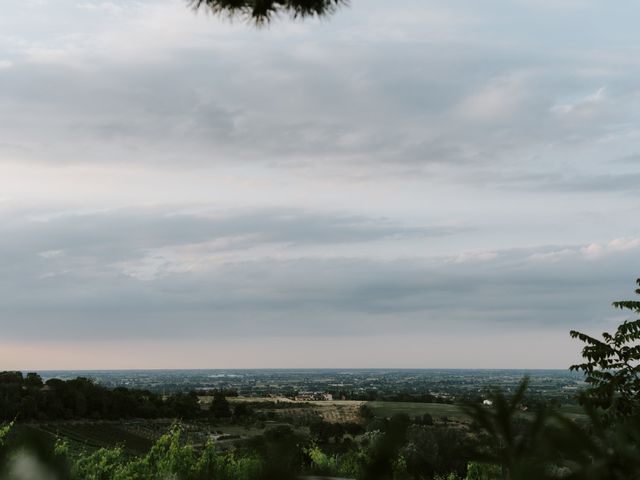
x,y
418,184
310,369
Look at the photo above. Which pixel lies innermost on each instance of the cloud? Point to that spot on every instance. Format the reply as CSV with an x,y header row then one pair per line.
x,y
632,159
585,106
149,274
322,105
457,169
580,183
148,228
107,7
154,243
596,250
500,99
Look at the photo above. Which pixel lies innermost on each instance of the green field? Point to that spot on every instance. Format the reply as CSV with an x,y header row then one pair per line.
x,y
137,436
84,436
303,411
437,410
413,409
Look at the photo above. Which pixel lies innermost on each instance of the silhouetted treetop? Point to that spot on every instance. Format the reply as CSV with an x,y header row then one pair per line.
x,y
262,11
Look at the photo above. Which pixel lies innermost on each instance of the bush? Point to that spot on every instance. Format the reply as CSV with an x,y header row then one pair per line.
x,y
483,471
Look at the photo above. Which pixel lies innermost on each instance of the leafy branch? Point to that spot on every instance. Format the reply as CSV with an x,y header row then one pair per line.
x,y
262,11
612,365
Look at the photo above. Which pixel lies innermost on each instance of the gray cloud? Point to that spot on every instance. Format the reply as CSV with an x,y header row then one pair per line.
x,y
143,229
440,167
99,259
387,106
98,286
628,182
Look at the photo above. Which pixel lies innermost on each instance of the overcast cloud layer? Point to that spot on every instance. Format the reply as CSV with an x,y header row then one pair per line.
x,y
416,183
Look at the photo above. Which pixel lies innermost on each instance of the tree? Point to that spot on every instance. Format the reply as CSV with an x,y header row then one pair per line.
x,y
220,406
320,430
185,405
426,419
262,11
241,410
511,443
612,365
365,412
14,378
33,380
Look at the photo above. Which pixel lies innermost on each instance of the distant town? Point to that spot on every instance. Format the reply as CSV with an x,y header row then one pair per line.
x,y
412,385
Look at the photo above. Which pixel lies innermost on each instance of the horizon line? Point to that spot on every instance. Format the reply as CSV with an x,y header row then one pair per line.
x,y
155,369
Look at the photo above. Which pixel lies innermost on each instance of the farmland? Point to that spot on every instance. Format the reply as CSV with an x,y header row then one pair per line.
x,y
87,436
436,410
336,411
136,436
260,401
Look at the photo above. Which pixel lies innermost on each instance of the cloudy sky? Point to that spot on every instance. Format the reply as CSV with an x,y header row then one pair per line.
x,y
406,184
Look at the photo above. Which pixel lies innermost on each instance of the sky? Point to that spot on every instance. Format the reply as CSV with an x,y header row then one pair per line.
x,y
404,184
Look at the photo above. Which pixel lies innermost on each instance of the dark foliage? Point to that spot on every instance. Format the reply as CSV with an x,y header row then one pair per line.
x,y
220,406
549,445
436,450
41,448
262,11
612,366
28,398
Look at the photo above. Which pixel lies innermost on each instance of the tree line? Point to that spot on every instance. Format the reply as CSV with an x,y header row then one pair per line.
x,y
29,398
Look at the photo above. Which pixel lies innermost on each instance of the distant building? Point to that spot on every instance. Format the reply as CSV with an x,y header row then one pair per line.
x,y
313,397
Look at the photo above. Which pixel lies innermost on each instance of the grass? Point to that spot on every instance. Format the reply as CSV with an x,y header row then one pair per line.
x,y
575,412
137,436
95,435
437,410
414,409
331,411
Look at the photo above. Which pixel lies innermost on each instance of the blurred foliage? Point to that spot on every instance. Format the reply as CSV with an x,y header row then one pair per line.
x,y
262,11
169,458
552,446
